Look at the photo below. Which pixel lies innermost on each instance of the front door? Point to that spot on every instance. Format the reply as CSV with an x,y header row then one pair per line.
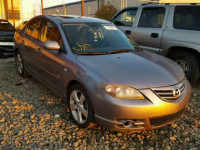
x,y
53,62
125,21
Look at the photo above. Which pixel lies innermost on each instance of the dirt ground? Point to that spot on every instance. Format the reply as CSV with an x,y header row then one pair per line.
x,y
32,117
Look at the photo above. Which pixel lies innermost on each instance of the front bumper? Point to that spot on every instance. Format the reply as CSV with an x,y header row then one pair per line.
x,y
152,113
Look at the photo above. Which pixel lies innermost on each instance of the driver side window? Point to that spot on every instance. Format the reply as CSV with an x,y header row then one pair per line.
x,y
126,18
50,32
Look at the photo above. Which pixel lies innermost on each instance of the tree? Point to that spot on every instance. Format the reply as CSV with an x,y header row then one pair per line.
x,y
106,12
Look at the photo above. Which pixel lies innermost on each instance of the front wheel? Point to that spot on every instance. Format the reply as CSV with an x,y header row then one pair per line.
x,y
189,64
80,107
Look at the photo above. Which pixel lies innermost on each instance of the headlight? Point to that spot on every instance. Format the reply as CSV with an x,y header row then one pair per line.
x,y
122,92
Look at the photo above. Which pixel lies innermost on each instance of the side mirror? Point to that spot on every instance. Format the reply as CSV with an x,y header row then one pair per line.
x,y
111,19
128,32
118,23
52,45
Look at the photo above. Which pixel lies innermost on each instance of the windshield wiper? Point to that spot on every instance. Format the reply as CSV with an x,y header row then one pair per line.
x,y
120,51
91,53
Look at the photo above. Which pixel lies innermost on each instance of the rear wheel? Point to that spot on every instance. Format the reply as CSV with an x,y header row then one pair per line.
x,y
80,107
189,64
20,65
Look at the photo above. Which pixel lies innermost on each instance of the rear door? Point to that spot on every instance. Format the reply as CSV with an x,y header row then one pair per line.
x,y
150,27
31,45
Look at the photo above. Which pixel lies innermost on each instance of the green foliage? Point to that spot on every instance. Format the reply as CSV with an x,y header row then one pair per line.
x,y
106,12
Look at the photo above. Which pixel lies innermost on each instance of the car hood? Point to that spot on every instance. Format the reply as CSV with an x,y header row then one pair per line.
x,y
139,69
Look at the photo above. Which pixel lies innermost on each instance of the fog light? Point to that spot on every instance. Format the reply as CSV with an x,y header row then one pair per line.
x,y
128,124
136,124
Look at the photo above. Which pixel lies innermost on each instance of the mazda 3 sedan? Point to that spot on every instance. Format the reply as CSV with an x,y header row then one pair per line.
x,y
102,76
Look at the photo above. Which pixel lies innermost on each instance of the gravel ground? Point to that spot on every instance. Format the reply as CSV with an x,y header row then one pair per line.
x,y
32,117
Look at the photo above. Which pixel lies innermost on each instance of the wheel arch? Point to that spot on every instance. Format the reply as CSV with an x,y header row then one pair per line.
x,y
71,83
179,49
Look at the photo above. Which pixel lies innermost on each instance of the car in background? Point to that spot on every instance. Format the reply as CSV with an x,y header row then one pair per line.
x,y
102,77
6,39
171,30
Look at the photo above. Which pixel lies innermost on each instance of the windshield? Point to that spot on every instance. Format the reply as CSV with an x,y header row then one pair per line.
x,y
96,38
5,25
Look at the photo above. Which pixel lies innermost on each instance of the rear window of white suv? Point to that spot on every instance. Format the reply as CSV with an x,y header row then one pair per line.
x,y
187,18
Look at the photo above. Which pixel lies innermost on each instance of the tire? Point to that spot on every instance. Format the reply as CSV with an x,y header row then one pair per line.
x,y
80,107
21,70
189,64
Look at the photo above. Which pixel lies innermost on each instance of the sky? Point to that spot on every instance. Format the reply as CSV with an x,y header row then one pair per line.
x,y
49,3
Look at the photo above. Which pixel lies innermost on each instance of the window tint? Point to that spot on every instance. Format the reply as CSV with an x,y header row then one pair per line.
x,y
50,32
33,28
126,18
187,18
152,17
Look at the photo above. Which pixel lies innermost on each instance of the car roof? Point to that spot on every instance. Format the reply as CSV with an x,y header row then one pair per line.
x,y
76,19
156,4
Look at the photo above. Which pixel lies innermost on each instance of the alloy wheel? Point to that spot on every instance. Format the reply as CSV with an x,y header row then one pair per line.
x,y
184,65
79,106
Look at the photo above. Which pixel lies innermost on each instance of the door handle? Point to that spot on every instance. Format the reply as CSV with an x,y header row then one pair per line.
x,y
154,35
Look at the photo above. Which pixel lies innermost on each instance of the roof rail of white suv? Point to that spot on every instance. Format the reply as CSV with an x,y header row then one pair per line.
x,y
151,2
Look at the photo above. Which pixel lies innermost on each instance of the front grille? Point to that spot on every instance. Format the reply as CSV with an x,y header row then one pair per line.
x,y
170,93
158,121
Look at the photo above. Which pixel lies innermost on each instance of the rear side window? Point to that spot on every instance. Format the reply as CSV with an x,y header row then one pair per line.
x,y
21,25
187,18
152,17
33,28
126,18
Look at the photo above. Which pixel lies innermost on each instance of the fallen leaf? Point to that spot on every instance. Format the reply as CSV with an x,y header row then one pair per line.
x,y
3,120
173,138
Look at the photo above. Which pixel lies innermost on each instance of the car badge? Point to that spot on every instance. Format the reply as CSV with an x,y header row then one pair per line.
x,y
176,93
